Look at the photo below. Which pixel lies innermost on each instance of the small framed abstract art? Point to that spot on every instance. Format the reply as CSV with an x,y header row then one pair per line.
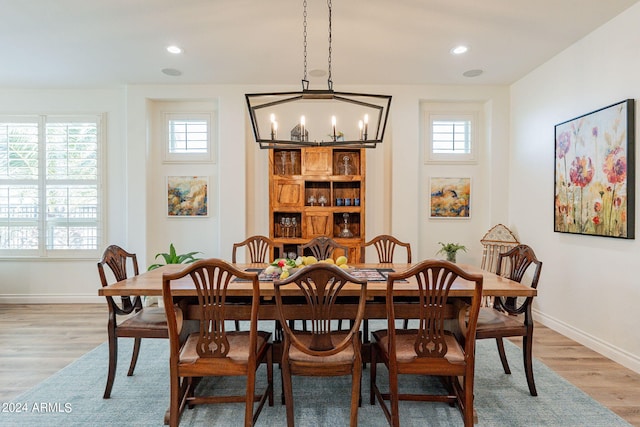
x,y
187,196
595,173
449,198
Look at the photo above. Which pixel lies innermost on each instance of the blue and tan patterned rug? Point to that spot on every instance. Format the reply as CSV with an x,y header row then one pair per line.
x,y
73,397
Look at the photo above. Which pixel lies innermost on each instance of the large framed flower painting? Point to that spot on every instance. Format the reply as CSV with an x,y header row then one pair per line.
x,y
595,173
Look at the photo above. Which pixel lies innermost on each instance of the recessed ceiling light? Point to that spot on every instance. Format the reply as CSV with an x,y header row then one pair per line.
x,y
472,73
459,50
171,72
174,49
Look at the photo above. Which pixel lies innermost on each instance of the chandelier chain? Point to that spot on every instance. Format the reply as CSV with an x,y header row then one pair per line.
x,y
329,81
304,32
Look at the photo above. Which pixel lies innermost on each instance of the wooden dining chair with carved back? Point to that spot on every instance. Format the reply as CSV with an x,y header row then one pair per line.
x,y
127,318
510,316
213,351
261,250
325,349
431,349
322,247
385,246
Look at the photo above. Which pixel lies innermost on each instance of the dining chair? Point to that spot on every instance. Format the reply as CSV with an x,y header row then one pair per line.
x,y
261,249
322,247
432,349
510,316
127,318
385,246
324,350
212,351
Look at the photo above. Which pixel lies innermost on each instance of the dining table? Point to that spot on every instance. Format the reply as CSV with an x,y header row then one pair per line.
x,y
149,283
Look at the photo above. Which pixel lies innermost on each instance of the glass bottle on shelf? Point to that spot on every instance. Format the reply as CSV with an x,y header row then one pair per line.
x,y
346,167
345,230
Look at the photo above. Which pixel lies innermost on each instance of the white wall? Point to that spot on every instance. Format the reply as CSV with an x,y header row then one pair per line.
x,y
589,288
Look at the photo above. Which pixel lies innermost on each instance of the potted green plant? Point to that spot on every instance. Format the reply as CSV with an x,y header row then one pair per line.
x,y
174,258
450,249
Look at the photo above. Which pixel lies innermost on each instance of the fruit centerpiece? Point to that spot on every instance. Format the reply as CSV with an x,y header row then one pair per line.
x,y
284,267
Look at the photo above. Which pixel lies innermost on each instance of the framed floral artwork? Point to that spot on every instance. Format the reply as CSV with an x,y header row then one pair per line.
x,y
187,196
449,197
595,173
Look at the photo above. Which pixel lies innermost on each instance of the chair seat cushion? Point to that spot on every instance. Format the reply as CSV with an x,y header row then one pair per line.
x,y
147,318
238,347
345,356
490,319
405,341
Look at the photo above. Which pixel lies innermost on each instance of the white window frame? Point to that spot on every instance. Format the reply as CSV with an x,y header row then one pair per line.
x,y
173,157
470,157
42,184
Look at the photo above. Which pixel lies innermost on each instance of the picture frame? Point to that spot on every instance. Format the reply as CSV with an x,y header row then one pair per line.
x,y
450,197
594,173
187,196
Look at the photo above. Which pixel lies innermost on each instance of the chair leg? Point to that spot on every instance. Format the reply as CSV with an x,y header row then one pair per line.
x,y
237,322
393,398
134,355
503,355
527,344
174,399
372,375
467,394
287,388
405,324
355,392
113,363
249,398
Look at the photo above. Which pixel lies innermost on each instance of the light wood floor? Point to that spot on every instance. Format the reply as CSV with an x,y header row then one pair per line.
x,y
38,340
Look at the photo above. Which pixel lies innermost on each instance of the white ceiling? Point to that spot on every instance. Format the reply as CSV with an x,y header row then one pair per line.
x,y
88,43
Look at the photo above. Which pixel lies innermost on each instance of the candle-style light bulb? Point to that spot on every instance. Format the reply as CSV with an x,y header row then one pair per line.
x,y
333,126
366,126
274,126
275,129
360,126
302,130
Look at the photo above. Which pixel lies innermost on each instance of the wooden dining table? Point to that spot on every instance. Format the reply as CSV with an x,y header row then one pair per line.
x,y
150,284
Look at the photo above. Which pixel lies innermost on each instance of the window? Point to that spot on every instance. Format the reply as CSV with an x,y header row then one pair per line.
x,y
188,137
451,137
49,186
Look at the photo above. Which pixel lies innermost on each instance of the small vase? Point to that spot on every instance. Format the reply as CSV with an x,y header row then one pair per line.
x,y
451,257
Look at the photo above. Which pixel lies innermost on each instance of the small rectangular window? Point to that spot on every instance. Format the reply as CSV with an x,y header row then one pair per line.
x,y
451,137
188,137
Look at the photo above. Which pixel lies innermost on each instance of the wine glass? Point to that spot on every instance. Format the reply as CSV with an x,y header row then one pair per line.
x,y
311,200
282,222
287,226
293,163
294,225
322,200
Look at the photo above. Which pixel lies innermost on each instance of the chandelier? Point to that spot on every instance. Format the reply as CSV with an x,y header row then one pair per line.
x,y
313,118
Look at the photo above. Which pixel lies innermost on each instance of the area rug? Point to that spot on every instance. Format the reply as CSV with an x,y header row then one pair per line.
x,y
73,397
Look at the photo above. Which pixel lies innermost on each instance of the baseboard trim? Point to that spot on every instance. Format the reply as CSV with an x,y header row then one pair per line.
x,y
608,350
51,299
